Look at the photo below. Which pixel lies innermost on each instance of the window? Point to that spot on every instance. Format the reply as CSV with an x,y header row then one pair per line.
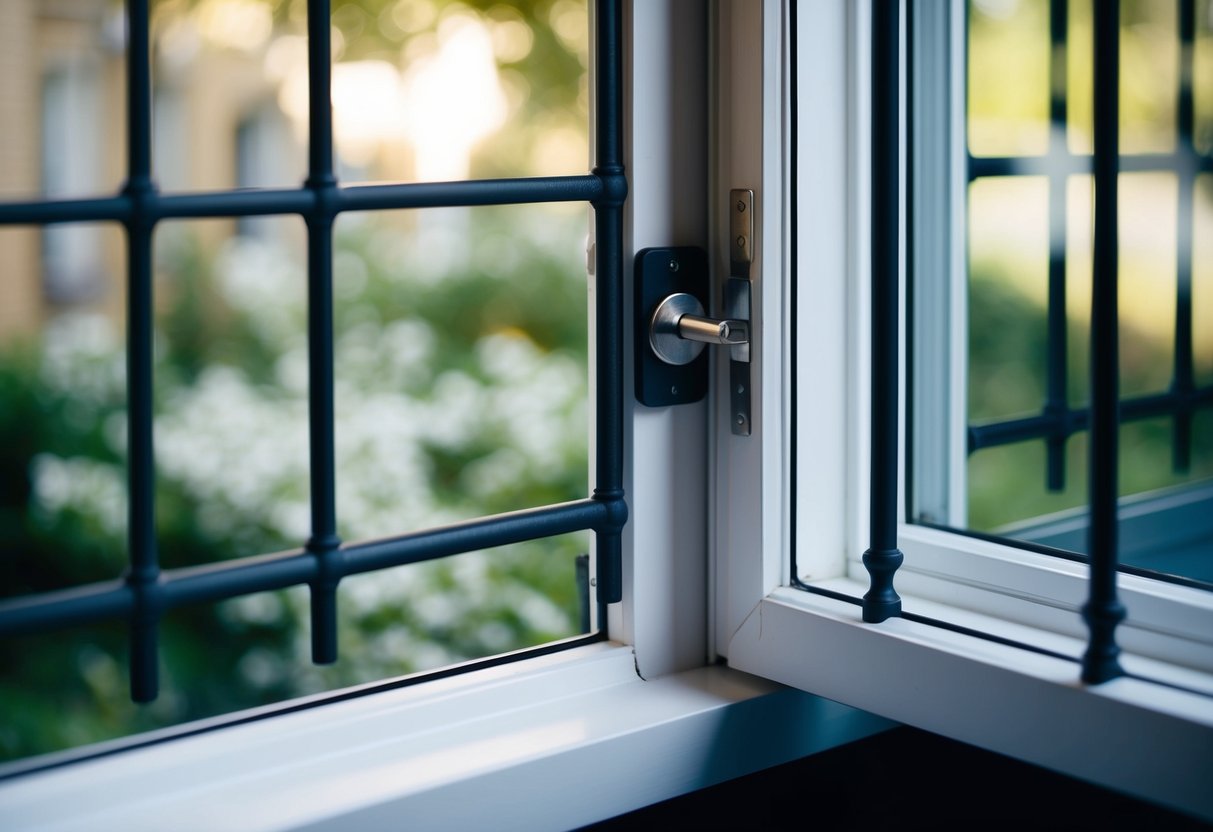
x,y
707,555
983,628
304,365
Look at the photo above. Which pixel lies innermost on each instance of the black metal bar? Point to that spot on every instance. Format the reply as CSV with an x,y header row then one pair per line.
x,y
1078,163
229,579
1079,419
324,542
319,94
1103,611
1183,374
47,212
267,201
608,274
143,575
1056,373
138,96
581,578
243,203
470,192
478,533
47,611
883,558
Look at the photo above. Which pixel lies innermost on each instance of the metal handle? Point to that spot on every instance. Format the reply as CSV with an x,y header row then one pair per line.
x,y
678,330
712,331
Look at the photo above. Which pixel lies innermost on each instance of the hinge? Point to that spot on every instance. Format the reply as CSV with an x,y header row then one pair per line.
x,y
672,328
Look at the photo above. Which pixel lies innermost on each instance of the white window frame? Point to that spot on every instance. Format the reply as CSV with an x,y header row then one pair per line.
x,y
1148,739
551,742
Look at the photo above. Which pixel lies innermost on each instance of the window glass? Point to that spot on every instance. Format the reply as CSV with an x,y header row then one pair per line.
x,y
1026,313
460,346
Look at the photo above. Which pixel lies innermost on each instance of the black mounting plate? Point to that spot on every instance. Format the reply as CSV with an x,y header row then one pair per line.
x,y
661,272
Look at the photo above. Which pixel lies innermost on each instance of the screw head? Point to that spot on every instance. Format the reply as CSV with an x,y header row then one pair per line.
x,y
740,389
674,390
741,242
740,419
740,206
674,266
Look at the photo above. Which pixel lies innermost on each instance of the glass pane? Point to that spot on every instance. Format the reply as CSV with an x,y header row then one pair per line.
x,y
461,364
1008,77
231,437
62,101
1202,67
1008,273
399,67
62,408
1025,476
1149,75
1202,280
461,357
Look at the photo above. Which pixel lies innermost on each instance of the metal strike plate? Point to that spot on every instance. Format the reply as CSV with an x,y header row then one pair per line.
x,y
659,273
737,305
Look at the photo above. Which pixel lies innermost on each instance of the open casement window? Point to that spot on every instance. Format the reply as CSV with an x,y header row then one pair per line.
x,y
851,117
577,733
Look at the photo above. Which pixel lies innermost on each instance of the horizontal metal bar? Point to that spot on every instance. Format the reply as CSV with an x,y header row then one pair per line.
x,y
1074,420
65,608
470,192
247,202
242,203
45,212
1080,163
479,533
229,579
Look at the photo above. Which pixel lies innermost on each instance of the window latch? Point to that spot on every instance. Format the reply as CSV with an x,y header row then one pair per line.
x,y
672,327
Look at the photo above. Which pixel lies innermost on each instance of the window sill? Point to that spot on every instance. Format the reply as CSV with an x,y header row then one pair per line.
x,y
1148,740
553,742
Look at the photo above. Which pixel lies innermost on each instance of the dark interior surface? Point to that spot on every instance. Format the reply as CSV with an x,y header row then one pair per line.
x,y
904,779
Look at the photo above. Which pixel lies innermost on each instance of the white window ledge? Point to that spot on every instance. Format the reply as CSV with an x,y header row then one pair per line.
x,y
1148,740
548,743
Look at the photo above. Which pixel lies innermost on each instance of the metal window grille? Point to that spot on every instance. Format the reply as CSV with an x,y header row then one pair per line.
x,y
1058,421
146,593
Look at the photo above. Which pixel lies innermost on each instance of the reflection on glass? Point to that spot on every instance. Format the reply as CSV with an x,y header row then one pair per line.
x,y
1202,67
460,346
1029,284
1202,279
1149,76
1008,269
1008,106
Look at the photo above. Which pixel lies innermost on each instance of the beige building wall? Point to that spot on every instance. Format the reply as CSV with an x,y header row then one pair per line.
x,y
20,297
212,93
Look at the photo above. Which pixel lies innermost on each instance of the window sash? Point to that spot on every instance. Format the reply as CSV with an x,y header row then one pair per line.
x,y
973,605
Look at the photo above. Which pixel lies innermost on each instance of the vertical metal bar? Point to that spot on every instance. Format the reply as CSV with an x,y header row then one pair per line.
x,y
608,271
324,542
1056,394
144,573
883,558
1183,382
1103,611
581,566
